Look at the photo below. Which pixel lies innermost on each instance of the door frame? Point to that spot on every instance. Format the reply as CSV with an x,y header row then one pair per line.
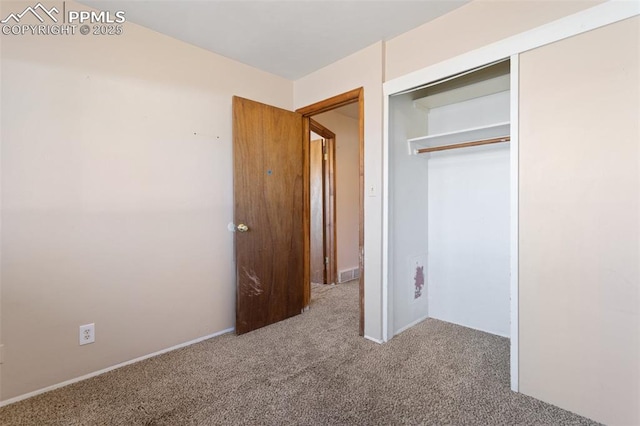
x,y
350,97
328,202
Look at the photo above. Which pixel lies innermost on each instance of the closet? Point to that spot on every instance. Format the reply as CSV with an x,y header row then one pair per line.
x,y
449,207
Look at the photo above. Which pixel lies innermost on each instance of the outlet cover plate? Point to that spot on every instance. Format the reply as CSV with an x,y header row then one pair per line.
x,y
87,334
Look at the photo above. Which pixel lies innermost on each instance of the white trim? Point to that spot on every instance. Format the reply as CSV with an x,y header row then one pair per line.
x,y
472,327
408,326
106,370
587,20
385,220
514,171
373,339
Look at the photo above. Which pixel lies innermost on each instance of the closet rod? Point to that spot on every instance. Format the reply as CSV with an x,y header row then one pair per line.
x,y
464,144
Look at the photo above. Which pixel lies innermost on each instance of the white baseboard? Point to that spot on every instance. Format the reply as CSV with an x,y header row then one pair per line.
x,y
473,328
105,370
373,339
408,326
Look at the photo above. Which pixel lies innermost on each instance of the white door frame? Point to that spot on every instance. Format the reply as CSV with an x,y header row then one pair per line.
x,y
587,20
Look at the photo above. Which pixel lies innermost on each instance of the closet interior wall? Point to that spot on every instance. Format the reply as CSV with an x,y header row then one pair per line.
x,y
408,207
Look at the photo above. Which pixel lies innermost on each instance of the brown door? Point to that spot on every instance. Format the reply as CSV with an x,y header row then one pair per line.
x,y
317,225
268,200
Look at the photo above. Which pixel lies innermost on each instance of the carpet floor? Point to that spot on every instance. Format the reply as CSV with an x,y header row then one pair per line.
x,y
312,369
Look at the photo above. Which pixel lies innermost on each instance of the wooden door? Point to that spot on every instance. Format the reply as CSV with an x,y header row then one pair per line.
x,y
317,225
328,165
268,186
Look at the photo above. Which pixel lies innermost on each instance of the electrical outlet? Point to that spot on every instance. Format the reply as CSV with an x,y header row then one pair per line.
x,y
87,333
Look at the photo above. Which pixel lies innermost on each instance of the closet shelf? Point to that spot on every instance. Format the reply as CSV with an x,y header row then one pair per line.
x,y
494,133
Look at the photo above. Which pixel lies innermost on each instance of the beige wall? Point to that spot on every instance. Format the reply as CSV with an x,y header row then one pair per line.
x,y
474,25
115,212
579,223
347,186
362,69
116,193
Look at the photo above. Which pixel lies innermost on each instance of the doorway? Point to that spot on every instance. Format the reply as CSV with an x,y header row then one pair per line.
x,y
453,140
355,96
322,165
271,177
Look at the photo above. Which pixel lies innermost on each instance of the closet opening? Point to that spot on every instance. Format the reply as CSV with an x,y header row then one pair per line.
x,y
449,202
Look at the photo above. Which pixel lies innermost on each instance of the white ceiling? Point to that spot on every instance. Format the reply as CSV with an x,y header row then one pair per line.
x,y
287,38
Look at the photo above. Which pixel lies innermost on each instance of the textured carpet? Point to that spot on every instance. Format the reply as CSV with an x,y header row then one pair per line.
x,y
309,370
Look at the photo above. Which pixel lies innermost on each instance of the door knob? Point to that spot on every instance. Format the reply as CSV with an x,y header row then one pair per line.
x,y
242,228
